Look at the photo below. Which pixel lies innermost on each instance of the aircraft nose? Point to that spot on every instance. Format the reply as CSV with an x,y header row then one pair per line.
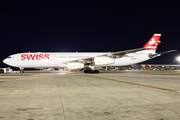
x,y
5,61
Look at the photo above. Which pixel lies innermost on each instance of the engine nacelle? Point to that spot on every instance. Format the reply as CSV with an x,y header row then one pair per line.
x,y
103,60
75,65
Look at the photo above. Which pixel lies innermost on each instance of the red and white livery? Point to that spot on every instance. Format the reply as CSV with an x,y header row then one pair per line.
x,y
89,61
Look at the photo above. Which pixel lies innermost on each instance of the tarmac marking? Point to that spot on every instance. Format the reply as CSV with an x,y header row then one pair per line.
x,y
135,84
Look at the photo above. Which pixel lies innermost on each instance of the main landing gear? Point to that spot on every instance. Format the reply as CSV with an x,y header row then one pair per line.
x,y
91,71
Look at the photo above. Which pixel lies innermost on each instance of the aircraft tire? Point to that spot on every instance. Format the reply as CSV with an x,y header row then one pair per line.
x,y
90,71
85,71
96,71
22,71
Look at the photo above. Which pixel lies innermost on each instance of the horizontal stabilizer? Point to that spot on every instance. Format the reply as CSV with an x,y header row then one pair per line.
x,y
158,54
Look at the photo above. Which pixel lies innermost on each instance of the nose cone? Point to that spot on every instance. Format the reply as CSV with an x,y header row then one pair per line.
x,y
8,62
5,61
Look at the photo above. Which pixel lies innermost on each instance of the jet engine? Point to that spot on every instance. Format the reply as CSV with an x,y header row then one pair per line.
x,y
103,60
75,65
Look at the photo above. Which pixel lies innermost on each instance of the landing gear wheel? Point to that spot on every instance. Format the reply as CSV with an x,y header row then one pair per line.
x,y
90,71
96,71
85,71
21,71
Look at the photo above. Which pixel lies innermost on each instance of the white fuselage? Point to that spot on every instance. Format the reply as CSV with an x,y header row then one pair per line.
x,y
82,60
39,60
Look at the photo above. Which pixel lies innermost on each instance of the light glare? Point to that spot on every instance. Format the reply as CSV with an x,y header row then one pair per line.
x,y
178,58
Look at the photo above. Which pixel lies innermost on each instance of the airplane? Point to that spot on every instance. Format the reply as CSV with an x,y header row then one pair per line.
x,y
90,62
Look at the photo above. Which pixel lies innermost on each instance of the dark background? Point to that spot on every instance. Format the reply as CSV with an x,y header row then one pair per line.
x,y
88,27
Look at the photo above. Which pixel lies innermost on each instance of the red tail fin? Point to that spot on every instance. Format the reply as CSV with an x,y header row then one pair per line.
x,y
153,42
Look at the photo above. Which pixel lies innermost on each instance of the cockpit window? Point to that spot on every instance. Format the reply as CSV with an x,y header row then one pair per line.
x,y
9,57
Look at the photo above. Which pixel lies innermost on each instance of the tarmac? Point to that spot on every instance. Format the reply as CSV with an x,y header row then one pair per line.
x,y
109,95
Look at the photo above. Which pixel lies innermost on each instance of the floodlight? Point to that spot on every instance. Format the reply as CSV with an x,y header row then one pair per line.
x,y
178,58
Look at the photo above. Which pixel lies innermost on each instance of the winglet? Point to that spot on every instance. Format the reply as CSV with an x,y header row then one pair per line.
x,y
153,42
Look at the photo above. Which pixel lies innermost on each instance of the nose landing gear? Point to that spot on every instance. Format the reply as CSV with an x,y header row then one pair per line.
x,y
21,70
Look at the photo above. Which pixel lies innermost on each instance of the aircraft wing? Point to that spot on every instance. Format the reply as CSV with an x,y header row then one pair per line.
x,y
112,55
122,53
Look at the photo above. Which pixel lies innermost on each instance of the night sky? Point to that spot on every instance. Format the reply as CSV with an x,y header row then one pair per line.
x,y
88,27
